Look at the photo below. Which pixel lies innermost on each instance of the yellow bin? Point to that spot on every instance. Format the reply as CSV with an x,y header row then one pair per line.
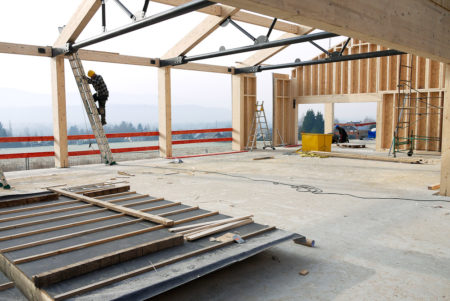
x,y
316,142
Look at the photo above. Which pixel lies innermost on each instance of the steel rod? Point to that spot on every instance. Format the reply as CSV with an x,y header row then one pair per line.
x,y
350,57
320,47
271,27
144,9
345,46
103,16
126,10
271,44
241,29
169,14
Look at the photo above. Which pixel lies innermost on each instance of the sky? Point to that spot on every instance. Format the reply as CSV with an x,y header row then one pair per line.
x,y
25,80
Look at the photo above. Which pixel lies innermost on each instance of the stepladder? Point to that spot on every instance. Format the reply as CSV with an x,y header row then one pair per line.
x,y
3,183
91,109
259,129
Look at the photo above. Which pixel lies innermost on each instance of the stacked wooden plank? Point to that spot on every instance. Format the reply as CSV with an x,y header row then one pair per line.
x,y
200,230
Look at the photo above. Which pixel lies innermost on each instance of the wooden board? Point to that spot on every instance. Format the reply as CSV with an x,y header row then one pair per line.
x,y
98,262
118,208
17,200
373,158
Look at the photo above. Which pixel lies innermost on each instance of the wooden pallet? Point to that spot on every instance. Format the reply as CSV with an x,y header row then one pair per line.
x,y
86,239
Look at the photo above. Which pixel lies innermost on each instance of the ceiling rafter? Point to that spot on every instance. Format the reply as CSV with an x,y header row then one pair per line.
x,y
200,32
84,13
242,16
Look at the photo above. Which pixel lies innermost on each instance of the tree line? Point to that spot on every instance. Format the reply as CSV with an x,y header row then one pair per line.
x,y
123,127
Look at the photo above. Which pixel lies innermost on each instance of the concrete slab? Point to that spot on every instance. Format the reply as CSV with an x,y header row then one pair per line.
x,y
393,247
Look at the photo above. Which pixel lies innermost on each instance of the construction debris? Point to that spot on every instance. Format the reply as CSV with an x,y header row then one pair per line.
x,y
263,158
304,272
434,187
351,145
123,173
309,154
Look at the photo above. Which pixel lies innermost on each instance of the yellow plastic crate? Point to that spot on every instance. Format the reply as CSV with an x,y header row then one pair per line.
x,y
316,142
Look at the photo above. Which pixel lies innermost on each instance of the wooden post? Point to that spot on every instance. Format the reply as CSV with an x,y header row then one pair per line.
x,y
59,112
445,157
329,118
165,113
238,134
379,137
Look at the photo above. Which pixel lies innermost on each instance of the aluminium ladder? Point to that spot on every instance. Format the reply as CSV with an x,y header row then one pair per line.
x,y
259,126
3,182
91,109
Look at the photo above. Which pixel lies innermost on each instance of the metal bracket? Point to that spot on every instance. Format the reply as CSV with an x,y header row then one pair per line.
x,y
334,54
155,62
251,69
179,60
62,50
261,40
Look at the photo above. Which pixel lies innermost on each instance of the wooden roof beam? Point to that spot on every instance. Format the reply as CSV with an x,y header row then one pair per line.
x,y
262,55
78,22
247,17
413,26
200,32
107,57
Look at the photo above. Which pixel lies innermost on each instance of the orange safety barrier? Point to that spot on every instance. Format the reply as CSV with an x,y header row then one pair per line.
x,y
111,135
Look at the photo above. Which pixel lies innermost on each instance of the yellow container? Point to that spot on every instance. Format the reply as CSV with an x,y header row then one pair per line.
x,y
316,142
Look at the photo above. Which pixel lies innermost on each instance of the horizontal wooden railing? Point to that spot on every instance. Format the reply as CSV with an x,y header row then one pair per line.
x,y
110,136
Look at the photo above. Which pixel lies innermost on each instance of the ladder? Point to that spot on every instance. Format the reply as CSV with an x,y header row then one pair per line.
x,y
259,126
3,182
91,109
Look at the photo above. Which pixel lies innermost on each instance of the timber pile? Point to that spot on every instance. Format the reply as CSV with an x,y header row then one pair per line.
x,y
81,240
370,157
196,231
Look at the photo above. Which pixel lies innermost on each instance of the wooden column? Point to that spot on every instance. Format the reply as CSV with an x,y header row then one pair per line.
x,y
445,157
238,124
329,118
379,137
164,113
59,112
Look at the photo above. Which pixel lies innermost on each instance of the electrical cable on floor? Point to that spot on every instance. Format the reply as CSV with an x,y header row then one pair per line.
x,y
298,188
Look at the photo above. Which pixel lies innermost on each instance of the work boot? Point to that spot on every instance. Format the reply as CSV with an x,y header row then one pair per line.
x,y
103,120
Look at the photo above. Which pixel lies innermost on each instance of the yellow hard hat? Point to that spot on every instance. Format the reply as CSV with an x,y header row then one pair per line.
x,y
91,73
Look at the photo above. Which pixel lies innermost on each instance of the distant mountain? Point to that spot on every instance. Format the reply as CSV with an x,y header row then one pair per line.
x,y
34,111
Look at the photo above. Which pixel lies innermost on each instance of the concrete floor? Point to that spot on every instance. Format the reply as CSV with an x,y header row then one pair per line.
x,y
366,249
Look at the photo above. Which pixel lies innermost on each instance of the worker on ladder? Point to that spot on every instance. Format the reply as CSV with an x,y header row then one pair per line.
x,y
101,95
